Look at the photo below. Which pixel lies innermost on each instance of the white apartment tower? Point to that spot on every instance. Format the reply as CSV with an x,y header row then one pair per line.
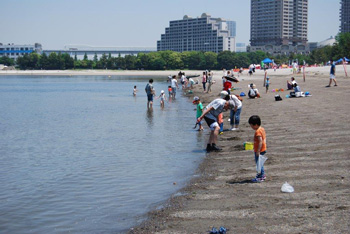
x,y
279,22
198,34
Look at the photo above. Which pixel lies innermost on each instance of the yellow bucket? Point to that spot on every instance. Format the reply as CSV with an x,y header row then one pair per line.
x,y
248,145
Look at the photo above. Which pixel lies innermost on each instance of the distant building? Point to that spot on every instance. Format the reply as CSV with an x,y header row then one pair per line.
x,y
279,26
198,34
232,28
241,47
13,51
328,42
316,45
345,16
90,51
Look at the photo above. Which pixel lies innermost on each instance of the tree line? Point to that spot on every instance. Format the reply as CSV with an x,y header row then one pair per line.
x,y
170,60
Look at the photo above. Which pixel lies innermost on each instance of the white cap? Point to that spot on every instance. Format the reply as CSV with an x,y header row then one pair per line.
x,y
162,91
223,94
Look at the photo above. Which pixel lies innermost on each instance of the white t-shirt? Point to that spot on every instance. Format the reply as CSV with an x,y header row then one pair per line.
x,y
218,107
237,102
174,83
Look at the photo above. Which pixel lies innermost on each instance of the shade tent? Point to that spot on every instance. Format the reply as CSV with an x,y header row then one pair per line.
x,y
341,60
267,60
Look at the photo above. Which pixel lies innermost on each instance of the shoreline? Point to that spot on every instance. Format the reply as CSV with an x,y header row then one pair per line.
x,y
217,73
307,147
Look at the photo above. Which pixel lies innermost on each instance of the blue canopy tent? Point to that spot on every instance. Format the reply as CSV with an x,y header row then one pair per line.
x,y
267,60
341,60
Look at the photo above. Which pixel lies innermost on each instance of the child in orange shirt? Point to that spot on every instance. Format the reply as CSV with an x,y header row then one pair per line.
x,y
259,145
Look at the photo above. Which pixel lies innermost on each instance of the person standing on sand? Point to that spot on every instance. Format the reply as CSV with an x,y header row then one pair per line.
x,y
259,145
204,81
235,113
210,115
267,84
210,81
150,92
332,75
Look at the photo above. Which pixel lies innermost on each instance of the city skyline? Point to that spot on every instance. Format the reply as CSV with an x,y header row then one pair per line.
x,y
137,23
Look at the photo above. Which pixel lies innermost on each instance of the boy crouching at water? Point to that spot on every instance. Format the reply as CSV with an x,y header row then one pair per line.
x,y
259,145
197,101
210,115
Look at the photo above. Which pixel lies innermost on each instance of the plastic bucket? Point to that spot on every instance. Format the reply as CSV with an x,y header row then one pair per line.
x,y
248,145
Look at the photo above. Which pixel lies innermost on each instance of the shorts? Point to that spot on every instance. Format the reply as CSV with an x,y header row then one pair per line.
x,y
332,76
150,97
173,89
211,123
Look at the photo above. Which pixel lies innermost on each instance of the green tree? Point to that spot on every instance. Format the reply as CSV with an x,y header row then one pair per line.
x,y
143,61
130,62
23,61
226,60
44,62
211,61
343,41
53,61
120,62
95,61
7,61
174,61
68,61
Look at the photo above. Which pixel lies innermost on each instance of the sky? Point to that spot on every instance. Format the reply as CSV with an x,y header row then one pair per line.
x,y
133,23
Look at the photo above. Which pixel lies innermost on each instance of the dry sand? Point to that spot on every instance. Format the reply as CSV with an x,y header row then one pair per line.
x,y
308,145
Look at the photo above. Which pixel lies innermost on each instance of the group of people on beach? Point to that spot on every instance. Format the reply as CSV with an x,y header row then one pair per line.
x,y
211,115
213,112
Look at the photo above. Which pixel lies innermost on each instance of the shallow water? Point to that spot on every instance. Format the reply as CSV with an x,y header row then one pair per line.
x,y
82,155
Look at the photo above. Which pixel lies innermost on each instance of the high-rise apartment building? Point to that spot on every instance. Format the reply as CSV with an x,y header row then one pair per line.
x,y
345,16
232,28
198,34
279,23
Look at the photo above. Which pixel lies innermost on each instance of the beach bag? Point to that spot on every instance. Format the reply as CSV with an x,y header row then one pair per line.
x,y
260,163
278,97
292,94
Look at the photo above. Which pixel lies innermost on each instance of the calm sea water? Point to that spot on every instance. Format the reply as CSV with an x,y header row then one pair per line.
x,y
82,155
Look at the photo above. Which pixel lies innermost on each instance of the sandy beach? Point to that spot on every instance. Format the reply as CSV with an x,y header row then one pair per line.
x,y
307,146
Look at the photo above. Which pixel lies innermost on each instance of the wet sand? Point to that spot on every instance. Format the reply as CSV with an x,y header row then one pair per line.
x,y
307,146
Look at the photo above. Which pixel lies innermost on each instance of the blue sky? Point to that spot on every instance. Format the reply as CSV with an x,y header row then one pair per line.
x,y
56,23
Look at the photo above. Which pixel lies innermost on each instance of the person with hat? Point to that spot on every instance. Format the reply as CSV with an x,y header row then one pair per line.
x,y
162,98
253,91
210,115
197,101
267,84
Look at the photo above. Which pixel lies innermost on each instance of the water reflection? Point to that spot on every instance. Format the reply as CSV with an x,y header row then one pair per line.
x,y
149,117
